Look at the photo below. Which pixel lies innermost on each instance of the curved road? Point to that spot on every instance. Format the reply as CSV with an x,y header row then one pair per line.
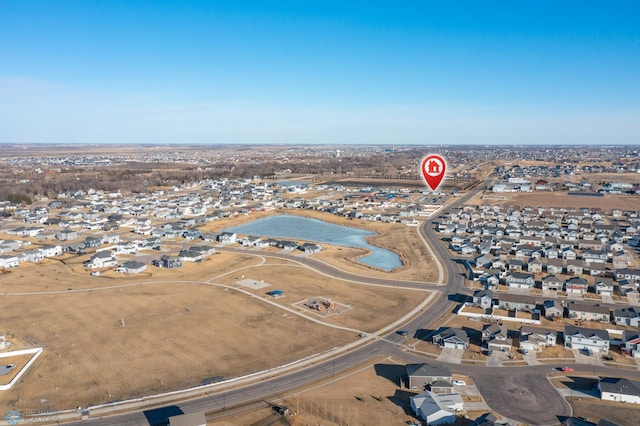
x,y
520,393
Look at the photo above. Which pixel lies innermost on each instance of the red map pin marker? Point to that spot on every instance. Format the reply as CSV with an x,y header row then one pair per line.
x,y
433,168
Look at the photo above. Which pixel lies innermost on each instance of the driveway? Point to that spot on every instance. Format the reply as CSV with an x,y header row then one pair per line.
x,y
451,355
582,358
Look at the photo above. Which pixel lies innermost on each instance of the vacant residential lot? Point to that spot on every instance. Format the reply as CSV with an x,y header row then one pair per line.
x,y
56,275
595,410
116,337
371,307
548,199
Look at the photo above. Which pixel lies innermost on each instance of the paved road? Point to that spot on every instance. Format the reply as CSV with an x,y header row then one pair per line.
x,y
331,271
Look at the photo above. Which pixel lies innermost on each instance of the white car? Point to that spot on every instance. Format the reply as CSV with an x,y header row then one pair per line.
x,y
459,383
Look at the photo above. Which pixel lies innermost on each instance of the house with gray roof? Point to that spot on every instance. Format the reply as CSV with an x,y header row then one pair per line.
x,y
421,376
626,316
455,338
596,341
534,338
521,280
436,409
588,312
619,389
131,267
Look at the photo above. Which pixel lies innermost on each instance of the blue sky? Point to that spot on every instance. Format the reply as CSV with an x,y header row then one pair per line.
x,y
383,72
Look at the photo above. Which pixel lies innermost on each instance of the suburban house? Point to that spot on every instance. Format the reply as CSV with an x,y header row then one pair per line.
x,y
553,309
483,299
33,256
520,280
422,376
131,267
596,341
495,337
588,312
627,274
169,262
310,248
619,389
455,338
551,282
626,316
575,267
436,409
576,285
66,235
51,250
534,339
287,245
101,259
9,261
554,266
631,343
227,237
604,286
190,256
519,302
92,242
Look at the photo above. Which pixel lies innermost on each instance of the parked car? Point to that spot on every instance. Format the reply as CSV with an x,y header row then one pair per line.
x,y
567,369
459,383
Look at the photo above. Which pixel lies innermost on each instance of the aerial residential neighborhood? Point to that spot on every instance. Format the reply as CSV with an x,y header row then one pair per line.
x,y
528,286
303,213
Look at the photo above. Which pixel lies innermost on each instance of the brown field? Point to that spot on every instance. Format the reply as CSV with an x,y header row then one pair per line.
x,y
595,409
19,361
372,307
56,275
170,315
561,199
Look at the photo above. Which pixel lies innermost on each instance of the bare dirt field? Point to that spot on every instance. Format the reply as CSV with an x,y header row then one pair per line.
x,y
561,199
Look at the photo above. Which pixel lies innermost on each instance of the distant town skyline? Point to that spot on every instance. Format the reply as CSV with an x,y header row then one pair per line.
x,y
320,72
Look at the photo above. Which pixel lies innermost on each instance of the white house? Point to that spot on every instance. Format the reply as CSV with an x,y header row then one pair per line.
x,y
227,237
9,261
619,389
102,259
33,256
436,409
604,286
51,250
596,341
131,267
534,339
